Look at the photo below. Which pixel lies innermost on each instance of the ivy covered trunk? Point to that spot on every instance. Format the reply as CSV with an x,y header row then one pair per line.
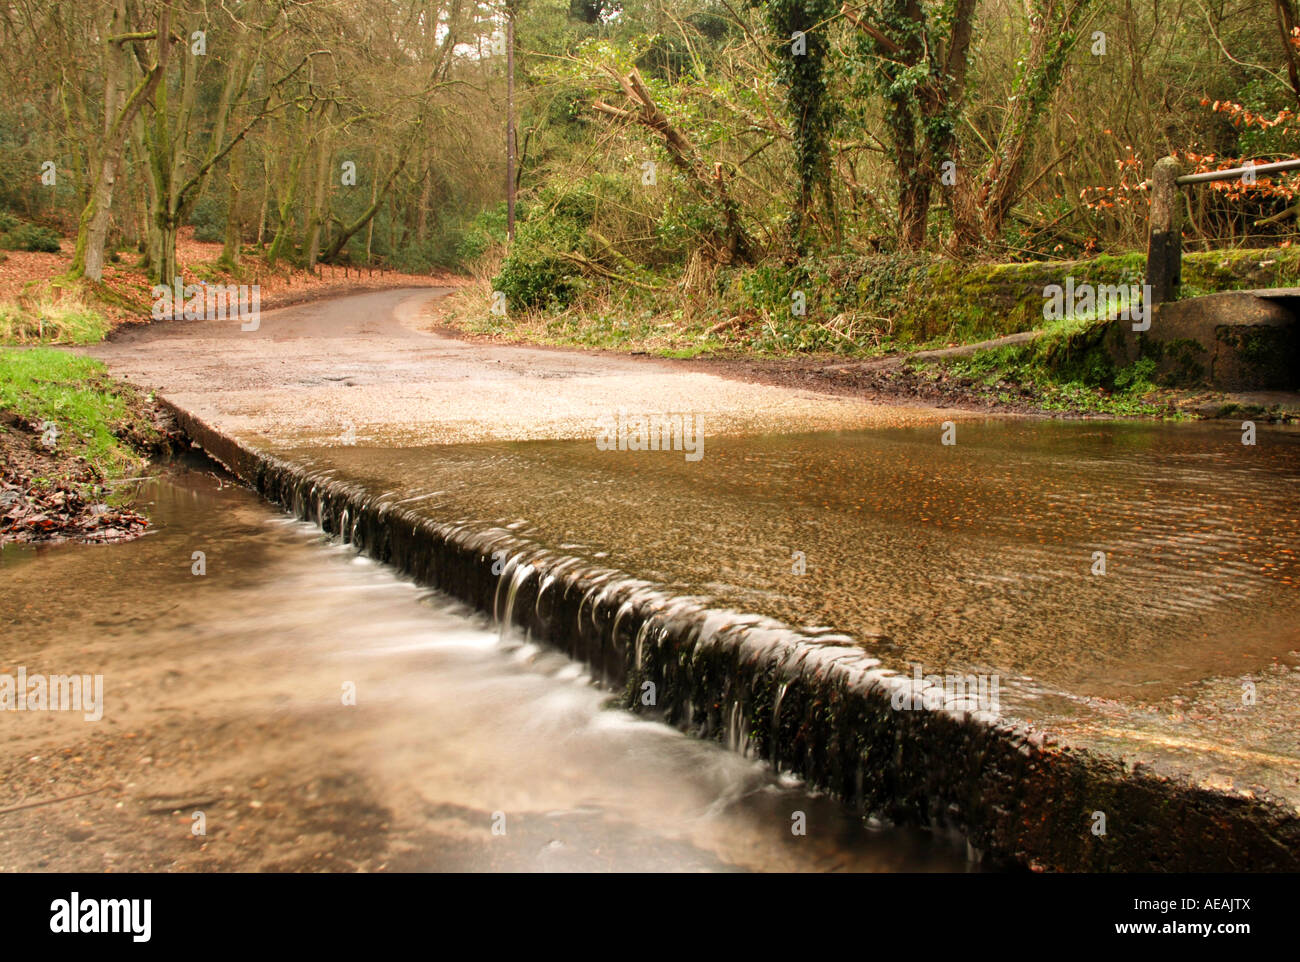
x,y
801,48
916,59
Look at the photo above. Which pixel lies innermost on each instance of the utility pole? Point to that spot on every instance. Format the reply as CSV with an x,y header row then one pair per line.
x,y
510,119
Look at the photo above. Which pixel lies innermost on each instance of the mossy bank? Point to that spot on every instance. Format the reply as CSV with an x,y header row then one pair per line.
x,y
864,309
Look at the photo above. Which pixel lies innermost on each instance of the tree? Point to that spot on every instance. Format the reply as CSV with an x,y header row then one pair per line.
x,y
917,59
801,55
120,110
918,56
981,210
179,162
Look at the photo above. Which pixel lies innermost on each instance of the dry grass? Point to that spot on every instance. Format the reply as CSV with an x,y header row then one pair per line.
x,y
69,321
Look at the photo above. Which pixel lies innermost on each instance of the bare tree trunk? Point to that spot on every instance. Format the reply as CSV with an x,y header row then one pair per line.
x,y
366,217
316,210
422,218
119,114
266,199
1286,23
510,122
370,224
234,232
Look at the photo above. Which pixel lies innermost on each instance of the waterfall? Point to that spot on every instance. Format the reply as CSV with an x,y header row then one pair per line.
x,y
821,703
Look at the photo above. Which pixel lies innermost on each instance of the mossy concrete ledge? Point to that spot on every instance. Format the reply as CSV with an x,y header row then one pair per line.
x,y
817,706
1233,341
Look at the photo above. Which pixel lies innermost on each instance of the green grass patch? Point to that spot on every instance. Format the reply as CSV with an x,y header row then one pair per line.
x,y
870,306
90,412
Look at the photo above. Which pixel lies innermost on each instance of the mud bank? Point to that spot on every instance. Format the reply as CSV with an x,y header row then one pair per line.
x,y
815,705
73,443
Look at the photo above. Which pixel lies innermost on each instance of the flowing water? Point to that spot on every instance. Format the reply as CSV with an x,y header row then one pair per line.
x,y
1131,587
227,690
466,748
982,555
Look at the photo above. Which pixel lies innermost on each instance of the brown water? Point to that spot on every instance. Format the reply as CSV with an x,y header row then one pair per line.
x,y
223,695
978,555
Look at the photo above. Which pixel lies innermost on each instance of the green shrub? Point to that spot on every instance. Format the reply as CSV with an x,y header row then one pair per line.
x,y
31,237
1137,375
483,233
209,221
536,274
533,276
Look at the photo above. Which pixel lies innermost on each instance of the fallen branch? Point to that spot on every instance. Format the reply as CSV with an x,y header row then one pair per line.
x,y
723,325
709,184
49,801
588,264
870,31
1278,218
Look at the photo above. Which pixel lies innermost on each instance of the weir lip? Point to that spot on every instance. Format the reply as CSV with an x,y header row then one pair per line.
x,y
817,709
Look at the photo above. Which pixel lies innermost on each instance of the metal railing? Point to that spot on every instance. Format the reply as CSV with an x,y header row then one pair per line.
x,y
1234,173
1164,234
